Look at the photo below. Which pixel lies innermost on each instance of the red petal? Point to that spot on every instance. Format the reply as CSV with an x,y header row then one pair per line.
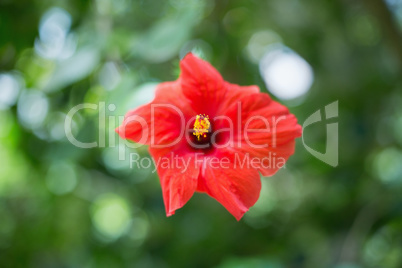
x,y
202,85
177,181
237,189
170,111
271,130
234,94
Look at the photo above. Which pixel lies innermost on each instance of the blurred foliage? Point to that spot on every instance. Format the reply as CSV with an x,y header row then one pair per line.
x,y
62,206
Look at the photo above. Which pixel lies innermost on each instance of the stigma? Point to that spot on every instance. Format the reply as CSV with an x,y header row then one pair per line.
x,y
202,126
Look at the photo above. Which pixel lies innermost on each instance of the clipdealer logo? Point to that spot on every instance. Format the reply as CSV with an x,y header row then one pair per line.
x,y
331,155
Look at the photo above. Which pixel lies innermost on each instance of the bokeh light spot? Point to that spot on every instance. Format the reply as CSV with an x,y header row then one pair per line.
x,y
259,44
387,166
33,107
109,76
61,178
111,216
286,74
54,40
9,89
142,95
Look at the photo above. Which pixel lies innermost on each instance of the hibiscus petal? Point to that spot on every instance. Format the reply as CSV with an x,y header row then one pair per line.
x,y
234,94
270,159
202,85
178,180
159,122
237,189
266,130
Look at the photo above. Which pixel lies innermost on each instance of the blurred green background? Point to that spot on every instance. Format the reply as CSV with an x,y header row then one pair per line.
x,y
63,206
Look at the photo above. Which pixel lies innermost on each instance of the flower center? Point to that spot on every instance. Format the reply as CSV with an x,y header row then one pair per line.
x,y
202,126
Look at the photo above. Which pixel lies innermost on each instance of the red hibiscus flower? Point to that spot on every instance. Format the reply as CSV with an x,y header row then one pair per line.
x,y
216,137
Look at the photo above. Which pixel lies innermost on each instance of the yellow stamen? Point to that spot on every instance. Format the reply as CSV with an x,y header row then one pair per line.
x,y
201,126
